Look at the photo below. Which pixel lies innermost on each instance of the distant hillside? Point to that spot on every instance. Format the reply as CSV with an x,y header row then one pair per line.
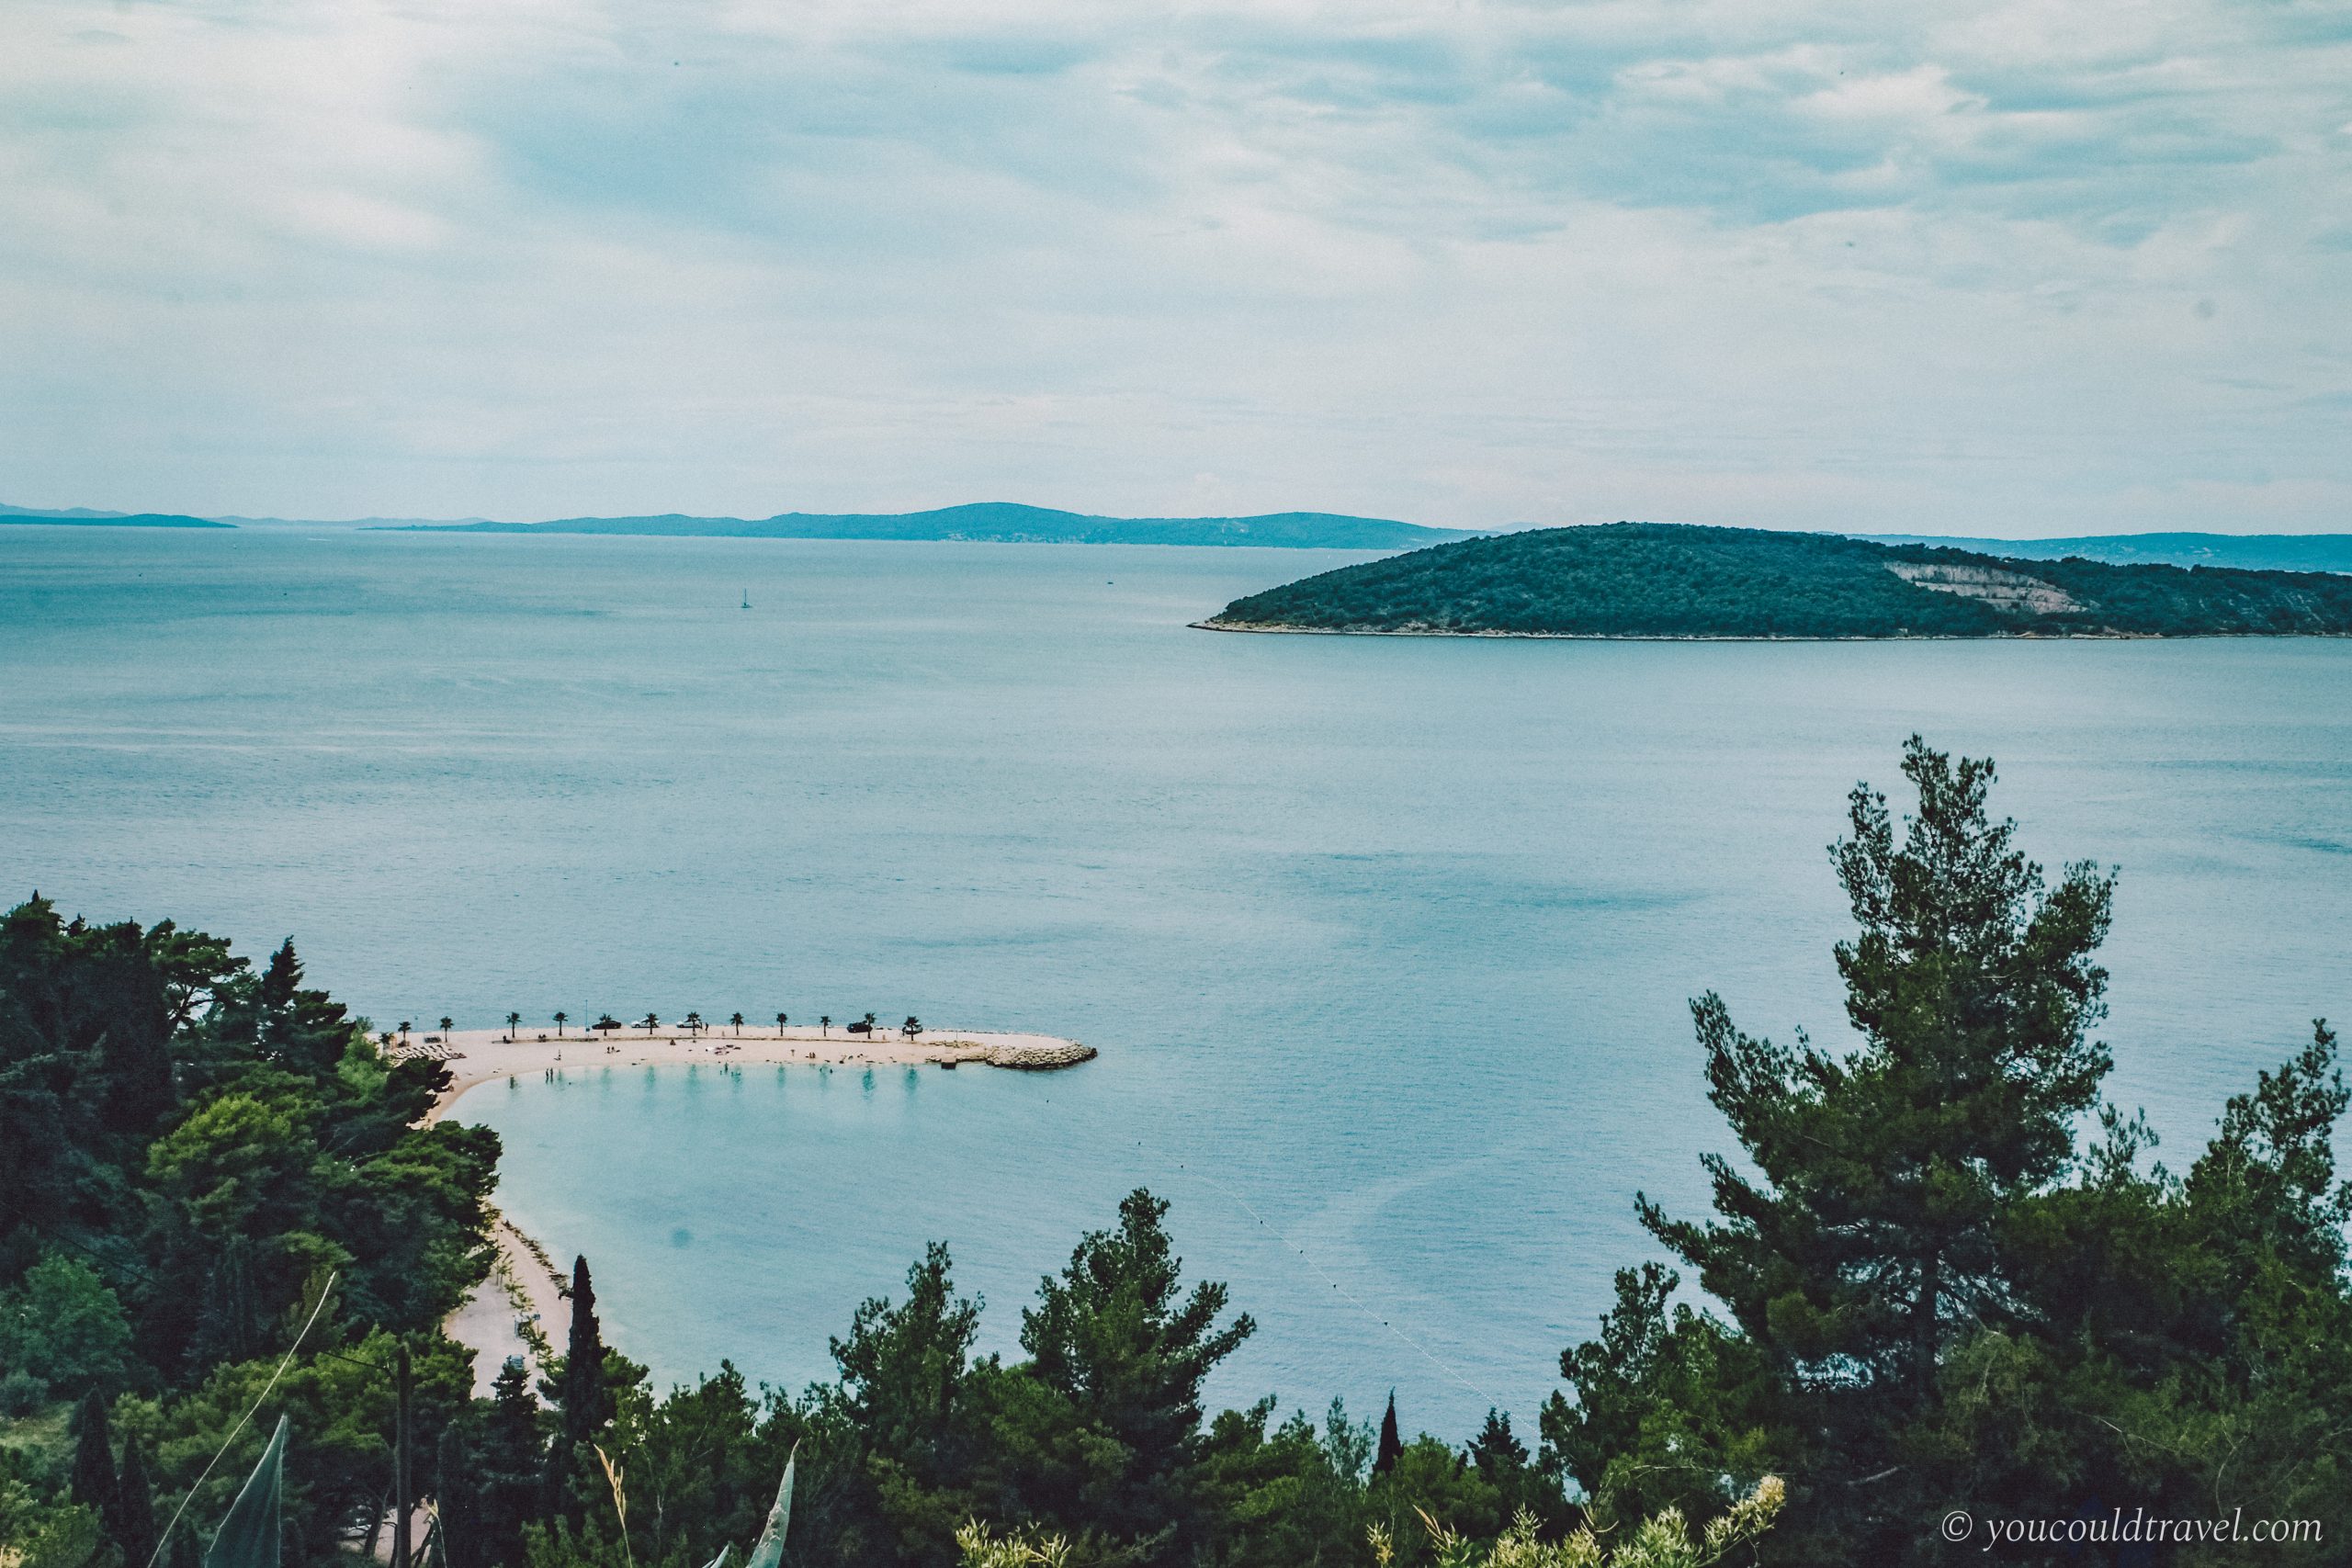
x,y
1008,522
82,517
1648,579
2256,552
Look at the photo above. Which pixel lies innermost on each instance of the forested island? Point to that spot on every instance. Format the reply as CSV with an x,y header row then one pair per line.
x,y
1944,1284
1652,579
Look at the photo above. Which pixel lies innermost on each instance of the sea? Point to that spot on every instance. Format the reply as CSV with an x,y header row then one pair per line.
x,y
1387,944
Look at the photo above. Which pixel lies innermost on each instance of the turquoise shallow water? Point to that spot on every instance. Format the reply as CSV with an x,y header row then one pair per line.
x,y
1387,941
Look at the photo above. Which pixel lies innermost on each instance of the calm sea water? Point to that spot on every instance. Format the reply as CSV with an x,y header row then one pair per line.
x,y
1387,942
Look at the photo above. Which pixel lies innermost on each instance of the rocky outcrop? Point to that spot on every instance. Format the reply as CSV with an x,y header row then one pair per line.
x,y
2011,590
1026,1058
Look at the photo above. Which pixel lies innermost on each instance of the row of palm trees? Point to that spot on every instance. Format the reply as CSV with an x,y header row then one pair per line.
x,y
693,1023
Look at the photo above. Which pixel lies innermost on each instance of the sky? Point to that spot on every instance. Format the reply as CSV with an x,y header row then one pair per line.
x,y
2023,268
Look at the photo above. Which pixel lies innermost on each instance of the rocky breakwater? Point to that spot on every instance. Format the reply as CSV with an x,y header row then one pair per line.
x,y
1026,1057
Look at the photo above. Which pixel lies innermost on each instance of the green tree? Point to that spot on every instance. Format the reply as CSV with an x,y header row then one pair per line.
x,y
508,1461
1887,1175
890,1446
1125,1350
560,1018
132,1519
94,1473
1383,1459
61,1324
1938,1295
584,1399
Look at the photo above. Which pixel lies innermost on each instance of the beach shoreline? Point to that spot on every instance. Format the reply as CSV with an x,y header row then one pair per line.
x,y
477,1056
518,1308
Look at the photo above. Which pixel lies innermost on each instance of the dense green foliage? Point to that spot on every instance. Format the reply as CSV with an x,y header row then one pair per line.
x,y
1920,1290
189,1151
1936,1299
1664,580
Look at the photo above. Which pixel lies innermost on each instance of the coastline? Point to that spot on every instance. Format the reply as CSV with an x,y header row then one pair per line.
x,y
518,1308
477,1056
1279,628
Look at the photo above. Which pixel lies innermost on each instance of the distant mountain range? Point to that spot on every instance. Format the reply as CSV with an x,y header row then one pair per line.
x,y
2251,552
999,522
1010,523
83,517
1653,580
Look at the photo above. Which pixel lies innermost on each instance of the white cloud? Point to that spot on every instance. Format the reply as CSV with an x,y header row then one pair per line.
x,y
2014,266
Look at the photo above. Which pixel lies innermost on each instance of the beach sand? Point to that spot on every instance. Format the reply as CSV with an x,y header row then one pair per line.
x,y
525,1286
485,1055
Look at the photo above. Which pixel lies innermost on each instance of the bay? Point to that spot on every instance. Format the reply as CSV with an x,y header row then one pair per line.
x,y
1387,942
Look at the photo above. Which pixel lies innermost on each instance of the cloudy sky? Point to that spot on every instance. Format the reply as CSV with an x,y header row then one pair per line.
x,y
2031,267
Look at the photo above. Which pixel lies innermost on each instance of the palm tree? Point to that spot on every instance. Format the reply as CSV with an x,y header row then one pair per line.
x,y
913,1027
385,1040
559,1023
514,1023
824,1023
869,1023
693,1024
444,1026
780,1022
649,1023
403,1032
738,1022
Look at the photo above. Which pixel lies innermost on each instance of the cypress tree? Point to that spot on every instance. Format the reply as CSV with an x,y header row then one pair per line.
x,y
1392,1443
583,1403
131,1520
587,1404
94,1478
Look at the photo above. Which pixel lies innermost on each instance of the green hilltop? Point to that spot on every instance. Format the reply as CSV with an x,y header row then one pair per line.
x,y
1652,579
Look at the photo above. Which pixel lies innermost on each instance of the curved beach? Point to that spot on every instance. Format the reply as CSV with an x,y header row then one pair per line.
x,y
519,1306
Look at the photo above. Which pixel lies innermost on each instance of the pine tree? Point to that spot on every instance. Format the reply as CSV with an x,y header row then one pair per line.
x,y
131,1520
1120,1341
1874,1232
296,1024
1496,1450
508,1462
93,1477
1392,1443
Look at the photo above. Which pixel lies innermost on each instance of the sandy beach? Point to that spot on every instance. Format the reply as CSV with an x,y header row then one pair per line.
x,y
477,1056
523,1298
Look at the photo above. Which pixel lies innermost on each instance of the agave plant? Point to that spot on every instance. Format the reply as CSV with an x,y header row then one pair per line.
x,y
1663,1540
982,1550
